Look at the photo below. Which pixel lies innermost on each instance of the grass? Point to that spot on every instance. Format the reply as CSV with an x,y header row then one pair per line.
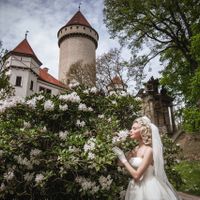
x,y
190,173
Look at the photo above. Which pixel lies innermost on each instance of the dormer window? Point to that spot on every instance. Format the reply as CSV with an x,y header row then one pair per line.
x,y
18,81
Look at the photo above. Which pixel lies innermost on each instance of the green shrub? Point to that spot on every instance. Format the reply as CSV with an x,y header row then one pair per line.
x,y
190,172
59,147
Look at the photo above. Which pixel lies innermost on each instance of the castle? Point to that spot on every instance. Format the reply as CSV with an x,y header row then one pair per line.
x,y
78,41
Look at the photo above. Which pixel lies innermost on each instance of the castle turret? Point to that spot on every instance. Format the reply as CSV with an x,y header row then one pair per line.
x,y
78,42
157,105
25,72
23,67
116,86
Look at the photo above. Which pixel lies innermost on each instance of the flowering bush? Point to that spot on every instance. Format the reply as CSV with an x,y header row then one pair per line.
x,y
59,147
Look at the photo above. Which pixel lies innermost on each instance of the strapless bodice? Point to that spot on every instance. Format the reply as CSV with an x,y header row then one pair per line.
x,y
136,162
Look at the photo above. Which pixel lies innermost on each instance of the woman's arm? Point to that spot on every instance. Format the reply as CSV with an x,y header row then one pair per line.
x,y
147,160
128,155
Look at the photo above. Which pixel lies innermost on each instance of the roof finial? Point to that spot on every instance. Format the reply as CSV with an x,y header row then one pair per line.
x,y
26,34
79,7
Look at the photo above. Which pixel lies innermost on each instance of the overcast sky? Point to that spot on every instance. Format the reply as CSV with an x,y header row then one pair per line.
x,y
43,19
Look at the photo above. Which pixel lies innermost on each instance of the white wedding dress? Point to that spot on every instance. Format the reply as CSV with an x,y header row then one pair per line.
x,y
148,187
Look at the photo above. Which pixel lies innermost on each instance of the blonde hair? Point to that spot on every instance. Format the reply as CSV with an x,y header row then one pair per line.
x,y
145,130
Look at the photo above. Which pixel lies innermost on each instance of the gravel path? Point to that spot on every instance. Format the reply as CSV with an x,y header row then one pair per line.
x,y
185,196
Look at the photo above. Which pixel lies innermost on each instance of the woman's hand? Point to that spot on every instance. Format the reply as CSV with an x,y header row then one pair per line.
x,y
120,154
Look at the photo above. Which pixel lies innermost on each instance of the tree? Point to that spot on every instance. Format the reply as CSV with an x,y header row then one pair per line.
x,y
82,73
110,65
166,27
5,88
169,29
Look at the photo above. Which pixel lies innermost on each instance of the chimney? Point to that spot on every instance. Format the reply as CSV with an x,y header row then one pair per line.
x,y
46,69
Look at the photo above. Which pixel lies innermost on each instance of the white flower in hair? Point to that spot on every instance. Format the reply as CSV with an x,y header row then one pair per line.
x,y
146,119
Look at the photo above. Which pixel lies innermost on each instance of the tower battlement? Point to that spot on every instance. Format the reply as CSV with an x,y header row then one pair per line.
x,y
77,31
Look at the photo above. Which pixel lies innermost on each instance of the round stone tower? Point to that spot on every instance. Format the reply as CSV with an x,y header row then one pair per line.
x,y
78,42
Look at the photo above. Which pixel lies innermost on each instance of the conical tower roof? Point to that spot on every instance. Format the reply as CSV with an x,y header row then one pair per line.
x,y
78,19
24,48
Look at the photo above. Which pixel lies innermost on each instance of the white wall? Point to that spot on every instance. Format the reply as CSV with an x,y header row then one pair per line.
x,y
32,77
22,61
24,73
54,89
28,69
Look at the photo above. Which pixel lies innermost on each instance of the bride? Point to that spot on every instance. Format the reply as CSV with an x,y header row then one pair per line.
x,y
146,165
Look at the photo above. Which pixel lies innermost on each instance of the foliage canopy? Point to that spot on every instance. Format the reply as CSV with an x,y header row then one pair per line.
x,y
168,29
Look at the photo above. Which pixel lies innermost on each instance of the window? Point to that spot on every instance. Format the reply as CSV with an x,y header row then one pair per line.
x,y
31,86
41,89
18,81
45,90
48,91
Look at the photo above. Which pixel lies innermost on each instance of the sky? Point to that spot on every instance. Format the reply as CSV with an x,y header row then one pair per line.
x,y
43,19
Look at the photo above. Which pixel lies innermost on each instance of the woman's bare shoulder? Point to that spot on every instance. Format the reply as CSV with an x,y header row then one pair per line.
x,y
148,150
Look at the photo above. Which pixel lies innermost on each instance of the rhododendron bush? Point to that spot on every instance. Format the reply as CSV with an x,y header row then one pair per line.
x,y
60,147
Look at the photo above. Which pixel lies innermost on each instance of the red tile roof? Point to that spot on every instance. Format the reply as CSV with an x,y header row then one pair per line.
x,y
78,19
45,76
25,48
116,80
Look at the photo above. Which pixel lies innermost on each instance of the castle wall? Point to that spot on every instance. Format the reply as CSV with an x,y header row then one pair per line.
x,y
53,88
22,61
75,49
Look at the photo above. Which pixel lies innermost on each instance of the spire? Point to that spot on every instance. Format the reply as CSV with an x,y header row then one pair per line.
x,y
78,19
26,34
79,7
